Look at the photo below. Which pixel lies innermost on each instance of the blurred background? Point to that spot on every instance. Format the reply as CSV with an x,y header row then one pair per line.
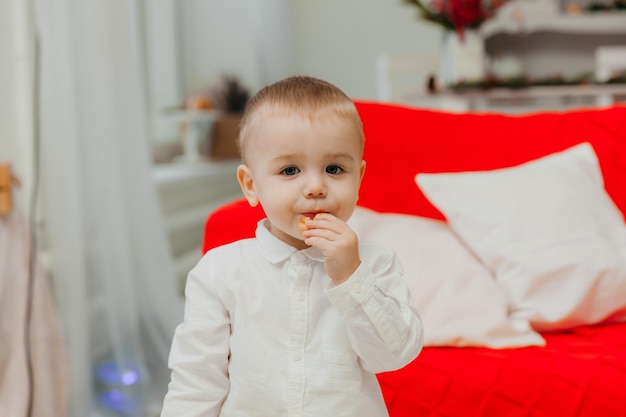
x,y
117,138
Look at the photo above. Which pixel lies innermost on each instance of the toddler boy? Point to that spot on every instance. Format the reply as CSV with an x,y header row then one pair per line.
x,y
298,320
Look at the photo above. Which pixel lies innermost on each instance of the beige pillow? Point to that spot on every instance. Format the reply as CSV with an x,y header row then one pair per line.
x,y
458,300
547,230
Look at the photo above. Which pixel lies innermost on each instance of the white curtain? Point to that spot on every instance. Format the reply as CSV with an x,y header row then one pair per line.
x,y
112,268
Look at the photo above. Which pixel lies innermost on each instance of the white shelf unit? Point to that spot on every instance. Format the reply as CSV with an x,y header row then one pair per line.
x,y
520,21
188,193
546,41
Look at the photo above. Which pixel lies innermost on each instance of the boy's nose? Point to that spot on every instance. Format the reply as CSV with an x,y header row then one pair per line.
x,y
315,188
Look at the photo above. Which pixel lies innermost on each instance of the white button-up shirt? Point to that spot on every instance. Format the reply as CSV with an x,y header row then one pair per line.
x,y
267,333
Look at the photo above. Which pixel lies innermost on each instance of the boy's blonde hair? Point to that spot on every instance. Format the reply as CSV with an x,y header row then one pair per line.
x,y
302,96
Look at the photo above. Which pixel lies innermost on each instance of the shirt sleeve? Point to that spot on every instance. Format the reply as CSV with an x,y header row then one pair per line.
x,y
382,323
199,353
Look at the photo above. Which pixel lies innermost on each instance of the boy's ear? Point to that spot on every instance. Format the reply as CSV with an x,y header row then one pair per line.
x,y
362,170
246,182
361,173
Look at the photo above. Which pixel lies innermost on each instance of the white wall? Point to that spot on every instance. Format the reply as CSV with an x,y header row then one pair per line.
x,y
340,40
252,39
335,40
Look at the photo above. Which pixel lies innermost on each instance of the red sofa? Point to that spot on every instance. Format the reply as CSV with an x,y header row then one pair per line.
x,y
579,372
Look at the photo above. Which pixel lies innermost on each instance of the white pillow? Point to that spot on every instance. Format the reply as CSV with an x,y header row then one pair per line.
x,y
548,231
458,300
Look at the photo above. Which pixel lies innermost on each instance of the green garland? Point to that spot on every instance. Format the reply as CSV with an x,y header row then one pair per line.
x,y
602,7
523,81
427,14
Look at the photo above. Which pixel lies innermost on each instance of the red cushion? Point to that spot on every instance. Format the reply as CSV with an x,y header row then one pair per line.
x,y
402,141
231,222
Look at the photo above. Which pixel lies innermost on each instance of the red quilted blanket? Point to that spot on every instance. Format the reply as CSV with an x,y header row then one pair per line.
x,y
581,373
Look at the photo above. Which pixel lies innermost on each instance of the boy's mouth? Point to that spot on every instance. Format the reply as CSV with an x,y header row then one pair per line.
x,y
311,215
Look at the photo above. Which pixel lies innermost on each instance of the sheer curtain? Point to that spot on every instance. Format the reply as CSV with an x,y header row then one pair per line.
x,y
112,269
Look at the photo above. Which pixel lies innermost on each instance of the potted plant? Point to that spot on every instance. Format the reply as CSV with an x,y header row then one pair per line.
x,y
230,96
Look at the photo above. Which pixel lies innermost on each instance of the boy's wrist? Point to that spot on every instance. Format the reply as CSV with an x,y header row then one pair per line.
x,y
346,276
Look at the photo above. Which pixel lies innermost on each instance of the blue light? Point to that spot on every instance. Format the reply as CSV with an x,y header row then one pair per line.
x,y
120,403
117,389
130,377
110,373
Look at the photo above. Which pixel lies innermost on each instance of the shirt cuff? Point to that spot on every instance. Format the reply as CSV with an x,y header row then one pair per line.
x,y
351,293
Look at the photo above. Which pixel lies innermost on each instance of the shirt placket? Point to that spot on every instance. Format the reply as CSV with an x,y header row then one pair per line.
x,y
299,271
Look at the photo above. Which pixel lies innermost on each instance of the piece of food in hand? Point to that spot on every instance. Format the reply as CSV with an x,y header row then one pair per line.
x,y
302,223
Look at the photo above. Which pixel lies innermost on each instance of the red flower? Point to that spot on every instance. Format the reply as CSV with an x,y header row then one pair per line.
x,y
465,12
457,14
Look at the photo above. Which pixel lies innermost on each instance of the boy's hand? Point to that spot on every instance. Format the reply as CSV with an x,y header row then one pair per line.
x,y
338,243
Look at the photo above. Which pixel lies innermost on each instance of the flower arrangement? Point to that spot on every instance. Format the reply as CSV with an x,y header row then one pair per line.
x,y
457,15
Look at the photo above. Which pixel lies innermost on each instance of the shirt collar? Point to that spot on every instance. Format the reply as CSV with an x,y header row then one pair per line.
x,y
275,250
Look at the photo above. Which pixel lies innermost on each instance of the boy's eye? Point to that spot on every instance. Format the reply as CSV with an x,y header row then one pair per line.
x,y
334,169
289,171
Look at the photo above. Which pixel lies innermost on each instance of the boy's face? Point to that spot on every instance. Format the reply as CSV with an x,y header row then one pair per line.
x,y
297,167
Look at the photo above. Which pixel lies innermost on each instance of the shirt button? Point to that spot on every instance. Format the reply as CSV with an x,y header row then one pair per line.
x,y
299,257
300,297
296,356
356,287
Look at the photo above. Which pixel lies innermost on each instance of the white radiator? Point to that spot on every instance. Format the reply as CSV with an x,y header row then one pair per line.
x,y
188,193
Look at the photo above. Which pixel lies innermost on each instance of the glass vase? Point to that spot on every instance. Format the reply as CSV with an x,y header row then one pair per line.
x,y
462,60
